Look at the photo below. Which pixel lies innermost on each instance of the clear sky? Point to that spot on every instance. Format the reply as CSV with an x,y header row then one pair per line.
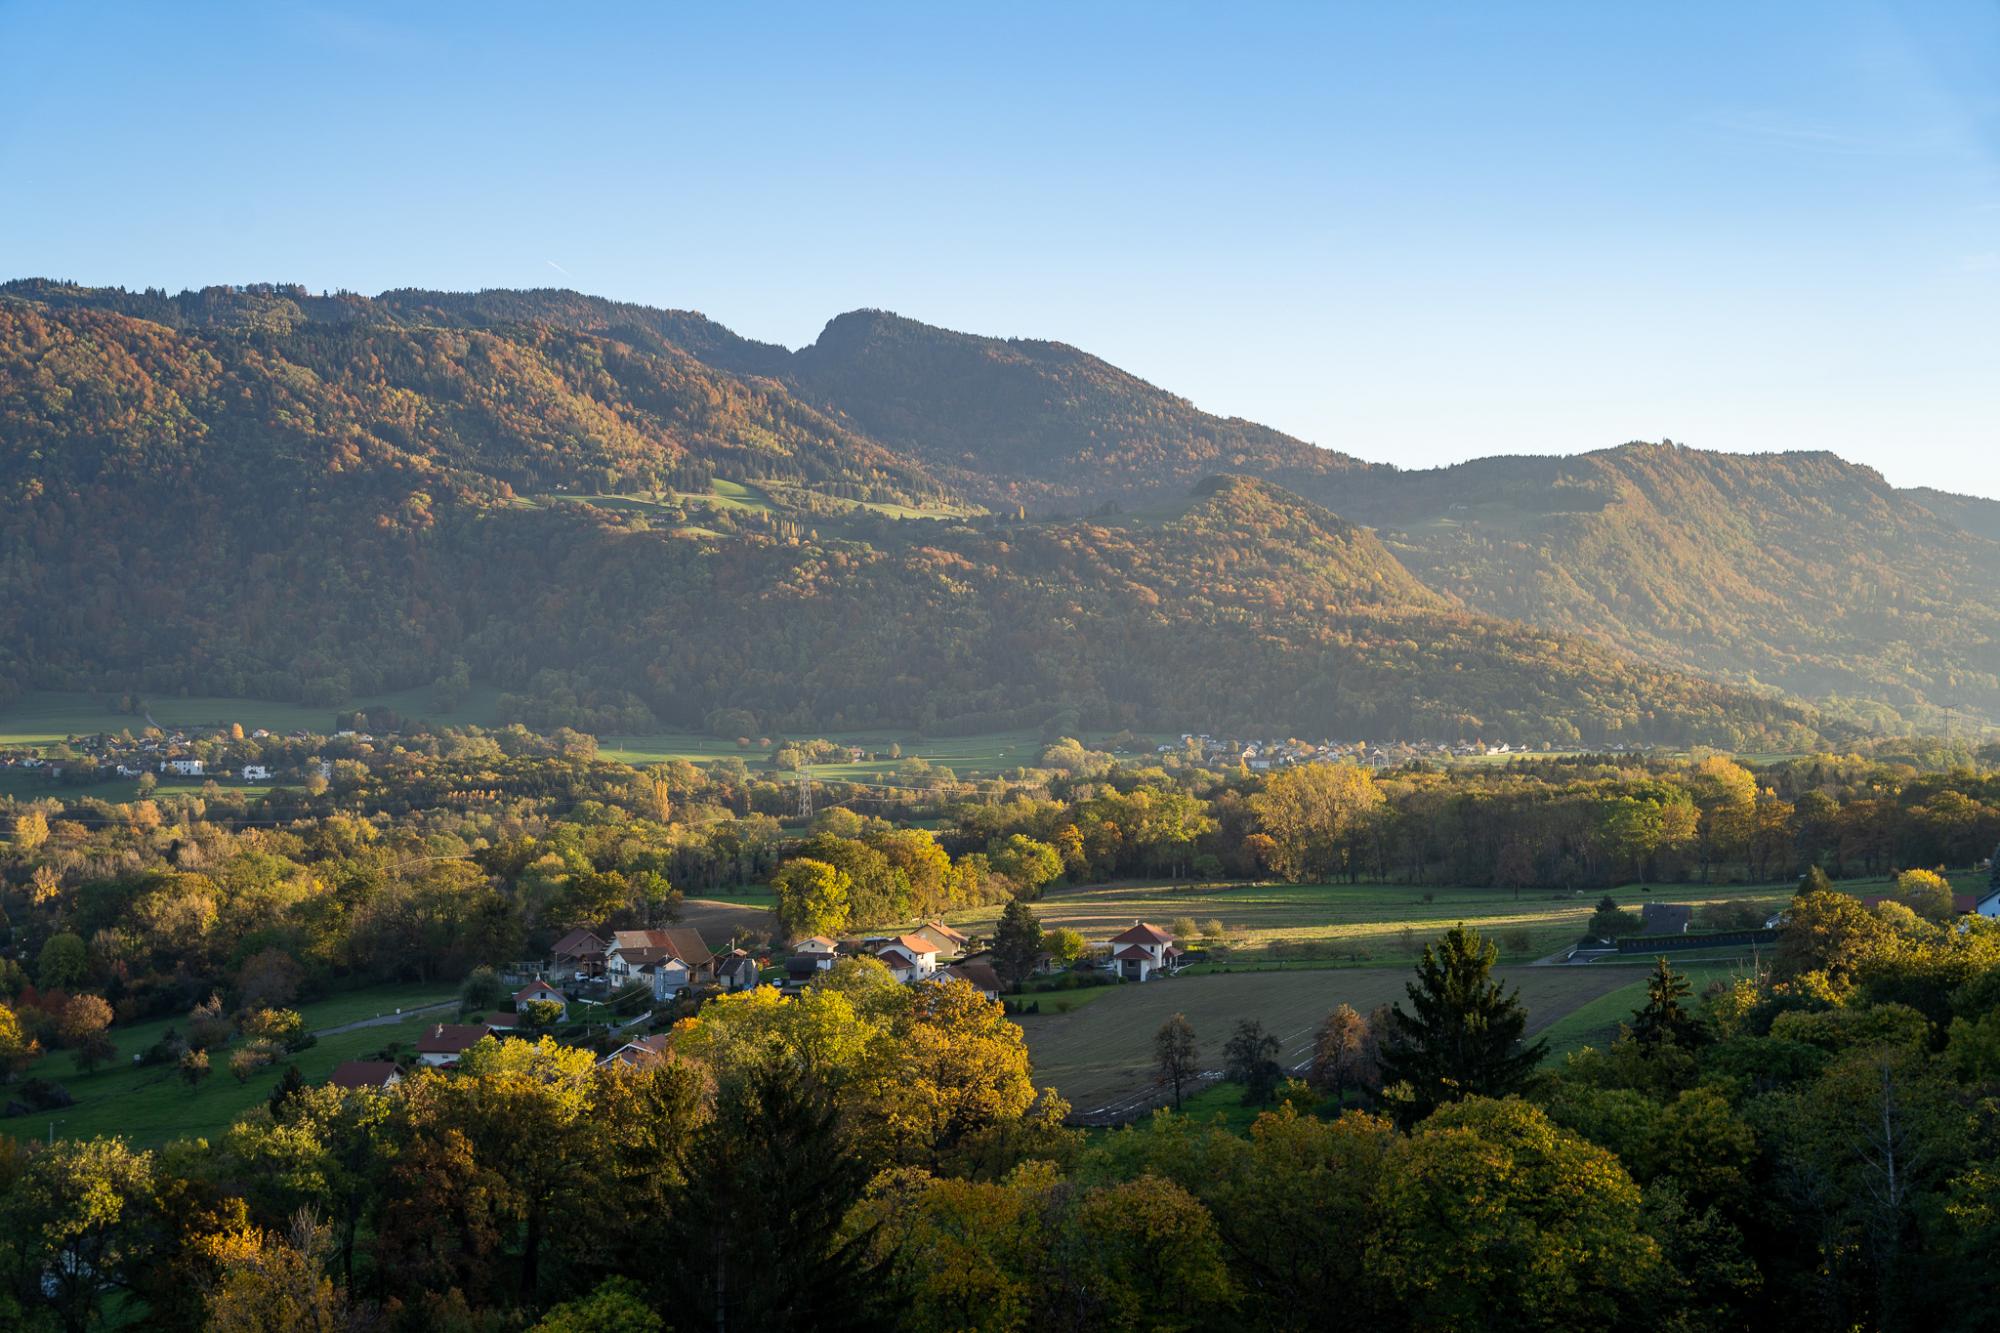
x,y
1416,232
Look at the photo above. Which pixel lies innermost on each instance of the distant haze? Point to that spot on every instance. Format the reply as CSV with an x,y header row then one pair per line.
x,y
1414,236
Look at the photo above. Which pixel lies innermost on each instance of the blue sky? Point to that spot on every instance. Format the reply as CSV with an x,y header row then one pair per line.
x,y
1416,232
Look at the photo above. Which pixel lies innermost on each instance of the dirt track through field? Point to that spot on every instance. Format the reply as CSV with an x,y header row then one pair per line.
x,y
1101,1057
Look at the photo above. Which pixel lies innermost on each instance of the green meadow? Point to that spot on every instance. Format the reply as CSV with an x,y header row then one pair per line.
x,y
151,1104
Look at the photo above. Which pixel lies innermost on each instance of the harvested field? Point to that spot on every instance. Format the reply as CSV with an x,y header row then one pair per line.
x,y
719,920
1101,1057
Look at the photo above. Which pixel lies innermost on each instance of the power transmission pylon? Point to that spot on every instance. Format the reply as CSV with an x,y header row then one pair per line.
x,y
805,793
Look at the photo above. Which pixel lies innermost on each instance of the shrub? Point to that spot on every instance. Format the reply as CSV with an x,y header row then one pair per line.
x,y
283,1027
166,1051
194,1067
244,1063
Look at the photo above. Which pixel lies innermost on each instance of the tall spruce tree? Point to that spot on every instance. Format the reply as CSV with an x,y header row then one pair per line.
x,y
753,1240
1017,943
1462,1034
1665,1019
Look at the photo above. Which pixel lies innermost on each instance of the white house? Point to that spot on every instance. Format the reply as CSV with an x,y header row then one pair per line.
x,y
541,992
1143,951
822,952
256,773
1988,903
908,957
187,768
668,978
901,966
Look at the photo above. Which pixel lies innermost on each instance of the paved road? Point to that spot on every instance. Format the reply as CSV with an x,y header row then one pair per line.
x,y
384,1020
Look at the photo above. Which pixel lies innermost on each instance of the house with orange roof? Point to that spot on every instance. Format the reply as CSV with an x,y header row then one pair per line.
x,y
908,957
949,943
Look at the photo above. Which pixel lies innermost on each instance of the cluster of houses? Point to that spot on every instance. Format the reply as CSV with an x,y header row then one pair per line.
x,y
1267,753
670,961
936,950
173,754
932,950
673,961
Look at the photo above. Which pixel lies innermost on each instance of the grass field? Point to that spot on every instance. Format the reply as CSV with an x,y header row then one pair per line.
x,y
28,785
966,756
1368,924
150,1105
1596,1023
43,717
1100,1056
746,497
1371,924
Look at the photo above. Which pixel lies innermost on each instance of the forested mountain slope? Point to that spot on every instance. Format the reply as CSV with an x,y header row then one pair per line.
x,y
1040,423
1795,570
315,508
264,413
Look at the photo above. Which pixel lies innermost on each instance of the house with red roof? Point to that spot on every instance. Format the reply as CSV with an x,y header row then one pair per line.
x,y
1143,952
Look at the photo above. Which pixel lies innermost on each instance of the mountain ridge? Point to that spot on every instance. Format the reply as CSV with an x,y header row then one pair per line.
x,y
1791,572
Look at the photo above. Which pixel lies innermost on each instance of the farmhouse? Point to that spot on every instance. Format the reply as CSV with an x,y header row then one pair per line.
x,y
1144,951
351,1075
580,952
948,942
630,950
186,768
256,773
445,1042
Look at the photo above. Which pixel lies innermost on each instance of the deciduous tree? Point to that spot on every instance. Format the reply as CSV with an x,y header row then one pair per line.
x,y
1176,1055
